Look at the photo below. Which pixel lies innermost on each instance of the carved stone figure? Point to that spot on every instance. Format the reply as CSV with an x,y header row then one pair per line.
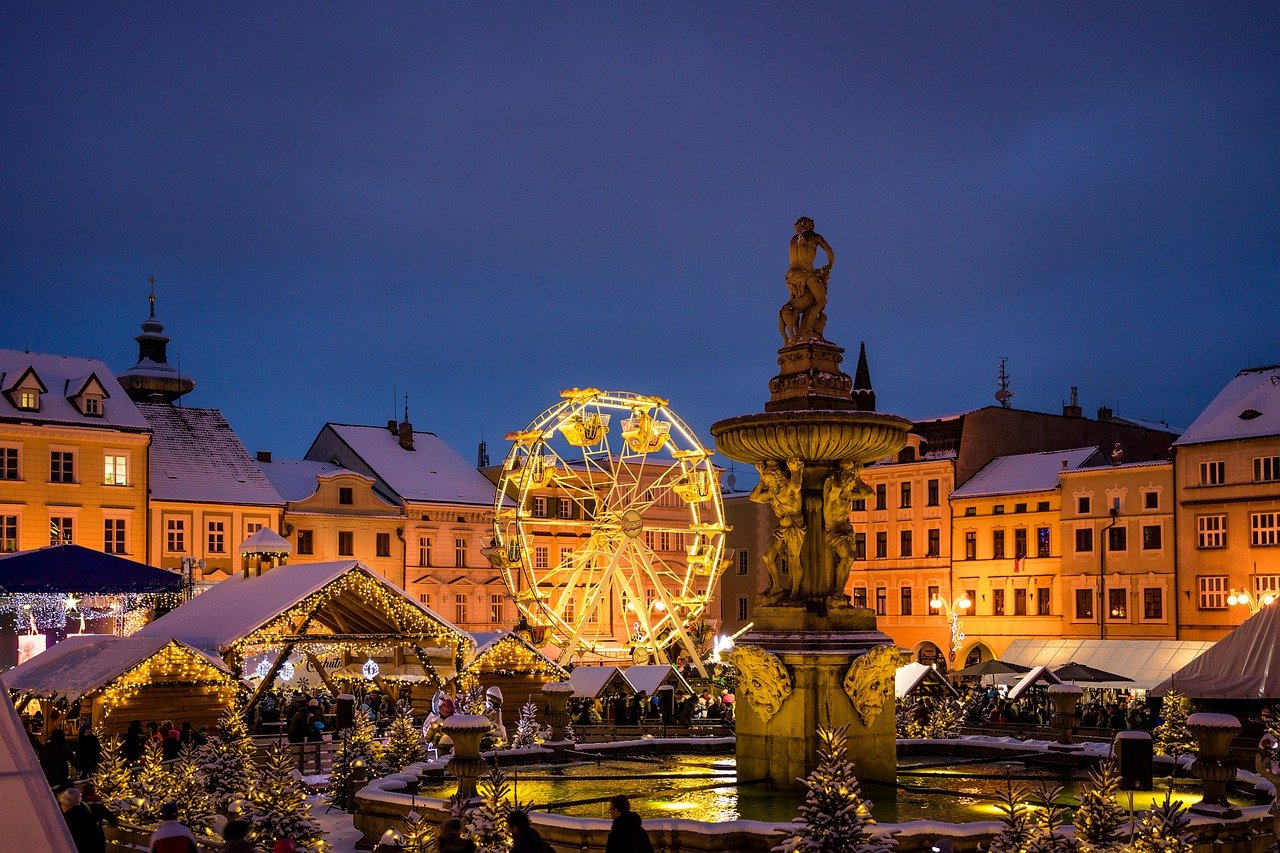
x,y
869,682
763,679
839,491
781,491
804,316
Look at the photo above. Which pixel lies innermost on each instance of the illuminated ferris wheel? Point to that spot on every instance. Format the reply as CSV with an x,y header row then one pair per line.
x,y
609,526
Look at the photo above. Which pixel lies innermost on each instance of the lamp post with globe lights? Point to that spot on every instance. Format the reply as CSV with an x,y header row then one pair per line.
x,y
953,612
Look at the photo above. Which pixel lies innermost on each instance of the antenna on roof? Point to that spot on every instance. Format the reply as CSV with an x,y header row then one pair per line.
x,y
151,280
1003,394
406,405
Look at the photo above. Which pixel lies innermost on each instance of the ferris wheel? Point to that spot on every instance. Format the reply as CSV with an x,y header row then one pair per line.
x,y
609,526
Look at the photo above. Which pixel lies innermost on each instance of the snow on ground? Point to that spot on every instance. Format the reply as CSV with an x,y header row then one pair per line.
x,y
336,825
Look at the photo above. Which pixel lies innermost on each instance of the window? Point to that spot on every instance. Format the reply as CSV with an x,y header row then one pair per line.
x,y
882,601
564,508
882,544
1211,531
744,562
931,498
1213,592
62,466
971,510
971,545
382,545
904,543
306,542
997,509
346,543
1084,540
1084,604
9,469
1042,541
566,556
1153,603
251,527
997,544
933,595
904,491
859,598
1044,601
345,496
1151,537
1084,505
459,608
934,545
1264,528
28,399
460,552
424,551
425,598
905,602
1019,507
113,536
1020,543
175,535
217,537
1118,539
742,608
1019,602
881,495
1042,506
115,470
1150,500
540,556
1266,585
859,546
539,507
61,530
664,541
91,405
1118,604
571,609
1213,473
972,595
858,505
997,602
8,534
678,538
1266,469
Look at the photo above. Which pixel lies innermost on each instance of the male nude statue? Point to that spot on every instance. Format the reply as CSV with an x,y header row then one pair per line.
x,y
782,493
839,491
804,315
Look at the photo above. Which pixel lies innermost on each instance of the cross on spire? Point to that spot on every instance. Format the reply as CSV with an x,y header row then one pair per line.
x,y
406,406
151,279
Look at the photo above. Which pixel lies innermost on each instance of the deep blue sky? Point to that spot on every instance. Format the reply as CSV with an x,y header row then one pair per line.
x,y
482,204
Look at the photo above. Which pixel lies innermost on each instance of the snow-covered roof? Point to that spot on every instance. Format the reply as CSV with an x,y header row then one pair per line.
x,y
1147,662
1036,675
1248,407
590,682
34,820
298,479
64,377
430,473
910,676
1245,664
195,456
489,641
80,665
1026,472
237,607
264,540
648,679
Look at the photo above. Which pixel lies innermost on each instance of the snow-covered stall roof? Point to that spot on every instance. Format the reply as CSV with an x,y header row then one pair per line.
x,y
64,377
1248,407
33,820
1147,662
591,682
195,456
648,679
298,479
492,643
912,675
1026,472
351,600
264,540
81,665
1039,674
1245,664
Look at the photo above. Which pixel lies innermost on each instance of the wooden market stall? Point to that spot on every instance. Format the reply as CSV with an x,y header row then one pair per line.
x,y
511,663
107,681
602,688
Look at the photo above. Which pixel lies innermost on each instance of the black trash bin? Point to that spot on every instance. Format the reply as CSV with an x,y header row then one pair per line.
x,y
344,711
1134,756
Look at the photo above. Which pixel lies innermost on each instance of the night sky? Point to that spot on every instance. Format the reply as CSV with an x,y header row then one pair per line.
x,y
482,204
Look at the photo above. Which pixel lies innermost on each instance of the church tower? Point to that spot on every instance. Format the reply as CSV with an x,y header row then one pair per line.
x,y
153,379
863,396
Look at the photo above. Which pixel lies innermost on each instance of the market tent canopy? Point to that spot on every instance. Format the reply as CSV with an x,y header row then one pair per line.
x,y
992,667
74,568
647,679
33,820
1245,664
1076,672
1147,662
509,651
594,682
911,676
1037,675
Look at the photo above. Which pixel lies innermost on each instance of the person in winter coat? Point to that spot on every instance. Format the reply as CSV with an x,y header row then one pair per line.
x,y
88,751
236,836
171,836
57,759
626,835
524,838
451,840
86,829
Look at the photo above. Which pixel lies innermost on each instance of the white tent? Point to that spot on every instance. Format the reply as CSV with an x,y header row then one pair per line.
x,y
1244,664
1147,662
648,679
593,682
912,675
34,821
1037,674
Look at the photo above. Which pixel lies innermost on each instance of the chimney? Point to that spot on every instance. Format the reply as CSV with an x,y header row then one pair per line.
x,y
1104,414
406,435
1072,409
264,455
393,427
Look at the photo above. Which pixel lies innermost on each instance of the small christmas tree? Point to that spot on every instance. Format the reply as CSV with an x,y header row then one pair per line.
x,y
486,823
1163,829
226,760
527,732
357,745
280,806
943,721
404,742
114,779
1099,820
1015,819
905,725
419,835
196,807
569,734
153,785
1047,835
834,818
1172,737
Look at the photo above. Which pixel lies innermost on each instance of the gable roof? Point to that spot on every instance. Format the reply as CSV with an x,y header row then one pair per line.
x,y
1245,664
590,682
264,540
1027,472
911,675
75,568
196,457
299,479
650,678
430,473
61,373
492,642
1256,390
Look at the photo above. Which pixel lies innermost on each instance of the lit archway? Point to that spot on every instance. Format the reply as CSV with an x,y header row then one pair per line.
x,y
929,654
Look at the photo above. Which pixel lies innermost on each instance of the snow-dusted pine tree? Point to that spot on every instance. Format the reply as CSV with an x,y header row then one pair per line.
x,y
280,807
569,734
404,742
152,785
356,745
196,807
1099,820
1047,835
114,779
227,759
834,818
527,732
486,822
1163,829
1015,819
1172,737
905,725
944,717
419,834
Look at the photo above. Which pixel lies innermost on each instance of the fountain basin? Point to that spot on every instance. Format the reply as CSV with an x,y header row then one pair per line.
x,y
814,435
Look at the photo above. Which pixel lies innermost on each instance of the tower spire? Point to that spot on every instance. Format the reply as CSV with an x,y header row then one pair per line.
x,y
864,396
153,379
151,280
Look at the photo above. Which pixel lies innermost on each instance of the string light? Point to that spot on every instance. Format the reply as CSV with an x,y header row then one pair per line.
x,y
370,669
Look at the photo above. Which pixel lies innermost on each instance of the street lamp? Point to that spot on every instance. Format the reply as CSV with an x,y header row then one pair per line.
x,y
952,613
1254,604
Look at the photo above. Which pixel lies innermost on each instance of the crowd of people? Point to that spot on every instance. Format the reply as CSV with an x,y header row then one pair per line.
x,y
1100,709
681,709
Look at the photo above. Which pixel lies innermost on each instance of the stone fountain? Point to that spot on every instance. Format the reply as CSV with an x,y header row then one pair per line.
x,y
811,659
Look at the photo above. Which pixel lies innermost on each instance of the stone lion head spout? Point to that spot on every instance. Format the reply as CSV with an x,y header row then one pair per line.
x,y
762,678
869,682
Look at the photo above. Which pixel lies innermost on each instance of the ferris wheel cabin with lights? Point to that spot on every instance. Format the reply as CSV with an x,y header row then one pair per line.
x,y
609,529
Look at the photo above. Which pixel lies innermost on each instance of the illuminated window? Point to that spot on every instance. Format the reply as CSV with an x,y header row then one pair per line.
x,y
1211,531
382,545
540,556
1213,592
1153,603
859,596
61,530
62,466
1118,604
115,470
306,542
497,609
175,535
997,602
346,543
28,399
217,537
1213,473
113,536
8,534
1042,542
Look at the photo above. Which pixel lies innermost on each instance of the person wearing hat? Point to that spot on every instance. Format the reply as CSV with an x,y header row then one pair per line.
x,y
171,836
86,830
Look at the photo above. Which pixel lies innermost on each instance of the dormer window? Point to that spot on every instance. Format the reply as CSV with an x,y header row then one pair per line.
x,y
92,406
87,395
25,392
29,399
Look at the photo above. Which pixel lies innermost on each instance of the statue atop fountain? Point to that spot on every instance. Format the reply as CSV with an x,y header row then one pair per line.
x,y
811,659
